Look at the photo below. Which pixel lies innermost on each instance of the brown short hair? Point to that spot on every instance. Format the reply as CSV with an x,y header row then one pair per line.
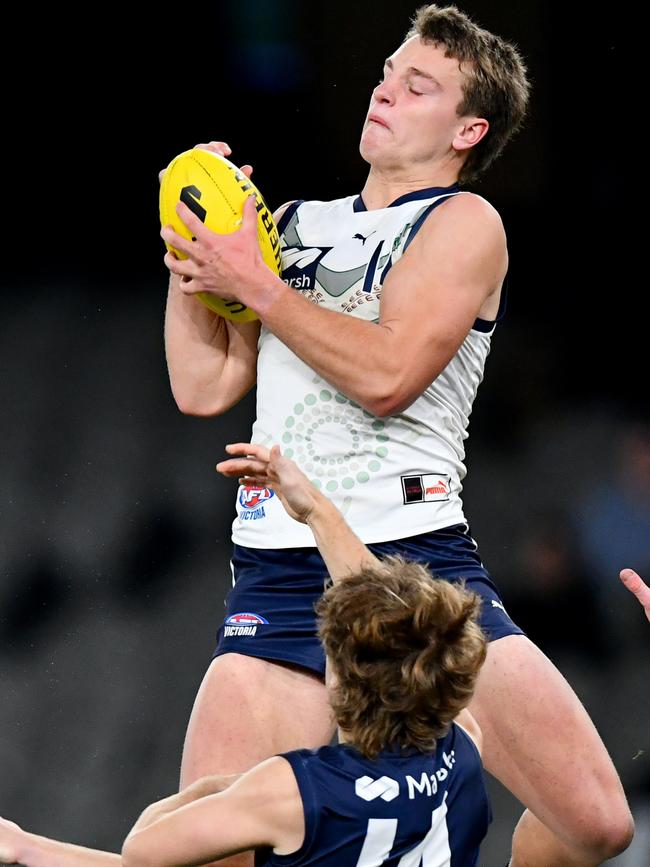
x,y
495,85
406,651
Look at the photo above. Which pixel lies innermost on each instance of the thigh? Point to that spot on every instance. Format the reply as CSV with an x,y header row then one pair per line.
x,y
541,744
248,709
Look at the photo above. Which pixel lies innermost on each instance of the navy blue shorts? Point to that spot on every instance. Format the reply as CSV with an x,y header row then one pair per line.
x,y
270,610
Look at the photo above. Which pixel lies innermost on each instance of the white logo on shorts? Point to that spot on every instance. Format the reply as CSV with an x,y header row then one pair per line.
x,y
369,789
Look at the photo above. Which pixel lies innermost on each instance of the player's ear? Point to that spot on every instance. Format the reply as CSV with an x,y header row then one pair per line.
x,y
470,133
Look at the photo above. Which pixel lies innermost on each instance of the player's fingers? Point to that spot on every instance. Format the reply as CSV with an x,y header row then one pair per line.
x,y
182,267
249,217
255,449
161,175
277,461
636,585
217,147
196,227
189,286
178,242
241,466
254,481
247,170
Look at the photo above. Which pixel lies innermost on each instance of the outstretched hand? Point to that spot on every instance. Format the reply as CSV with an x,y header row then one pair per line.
x,y
635,584
259,466
11,836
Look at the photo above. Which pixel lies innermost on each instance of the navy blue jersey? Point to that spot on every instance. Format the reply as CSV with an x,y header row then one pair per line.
x,y
398,810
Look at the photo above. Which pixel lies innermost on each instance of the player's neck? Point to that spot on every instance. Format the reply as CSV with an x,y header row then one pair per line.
x,y
341,736
384,187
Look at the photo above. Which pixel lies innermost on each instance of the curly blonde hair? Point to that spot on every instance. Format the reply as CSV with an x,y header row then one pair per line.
x,y
406,651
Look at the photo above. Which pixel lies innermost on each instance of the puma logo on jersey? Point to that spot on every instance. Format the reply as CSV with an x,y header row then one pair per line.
x,y
427,488
361,237
369,789
439,488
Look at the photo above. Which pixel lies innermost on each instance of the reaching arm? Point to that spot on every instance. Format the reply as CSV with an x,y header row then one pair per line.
x,y
342,550
200,789
263,808
31,850
451,273
21,847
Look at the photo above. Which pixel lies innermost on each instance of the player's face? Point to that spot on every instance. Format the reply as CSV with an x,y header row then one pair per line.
x,y
412,117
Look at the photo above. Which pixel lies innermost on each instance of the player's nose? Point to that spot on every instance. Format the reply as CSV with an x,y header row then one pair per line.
x,y
384,93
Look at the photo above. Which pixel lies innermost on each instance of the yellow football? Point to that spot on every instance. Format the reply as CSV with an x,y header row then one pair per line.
x,y
215,190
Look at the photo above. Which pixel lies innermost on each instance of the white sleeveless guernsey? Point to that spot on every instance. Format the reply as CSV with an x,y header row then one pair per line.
x,y
391,477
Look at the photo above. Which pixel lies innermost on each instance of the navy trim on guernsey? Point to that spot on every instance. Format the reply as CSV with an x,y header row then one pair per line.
x,y
417,225
488,325
288,213
425,808
484,325
270,609
429,192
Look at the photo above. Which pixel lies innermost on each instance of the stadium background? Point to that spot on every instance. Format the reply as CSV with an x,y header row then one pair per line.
x,y
114,527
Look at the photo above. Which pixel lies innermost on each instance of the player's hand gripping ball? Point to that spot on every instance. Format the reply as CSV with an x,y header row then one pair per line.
x,y
215,190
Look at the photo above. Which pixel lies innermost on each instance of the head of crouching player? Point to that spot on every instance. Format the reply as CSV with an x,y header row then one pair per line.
x,y
404,652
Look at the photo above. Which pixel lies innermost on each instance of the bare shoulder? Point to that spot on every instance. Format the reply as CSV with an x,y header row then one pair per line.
x,y
272,775
471,213
464,234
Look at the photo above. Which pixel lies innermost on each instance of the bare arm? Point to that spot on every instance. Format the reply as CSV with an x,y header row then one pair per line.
x,y
263,808
21,847
31,850
451,272
199,789
212,362
341,549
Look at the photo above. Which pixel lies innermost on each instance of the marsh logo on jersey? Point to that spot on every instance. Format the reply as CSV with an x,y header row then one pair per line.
x,y
429,488
243,623
310,269
251,500
369,789
299,265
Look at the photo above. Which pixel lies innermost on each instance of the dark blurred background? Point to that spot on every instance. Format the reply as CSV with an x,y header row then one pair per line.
x,y
114,536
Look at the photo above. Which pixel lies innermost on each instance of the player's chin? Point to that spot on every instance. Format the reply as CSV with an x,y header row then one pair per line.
x,y
372,148
368,149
